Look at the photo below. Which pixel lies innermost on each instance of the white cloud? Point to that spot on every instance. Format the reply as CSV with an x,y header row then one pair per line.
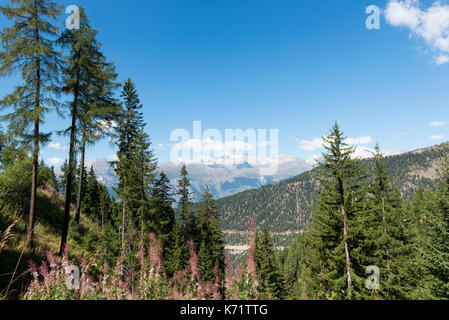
x,y
359,140
312,160
441,59
54,161
209,151
317,143
401,134
403,13
437,124
432,24
310,145
160,146
56,146
437,137
112,157
107,126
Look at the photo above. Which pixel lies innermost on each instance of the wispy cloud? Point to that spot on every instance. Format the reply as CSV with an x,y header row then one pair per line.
x,y
54,161
437,124
431,24
317,143
359,140
107,126
401,134
56,146
310,145
437,137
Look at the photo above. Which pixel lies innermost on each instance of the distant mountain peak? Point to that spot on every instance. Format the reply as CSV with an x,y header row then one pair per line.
x,y
223,180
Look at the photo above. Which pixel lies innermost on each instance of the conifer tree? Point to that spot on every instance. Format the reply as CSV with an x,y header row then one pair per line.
x,y
161,219
2,143
389,245
338,218
136,165
269,276
210,238
177,253
92,196
185,204
62,184
105,206
90,79
29,48
436,249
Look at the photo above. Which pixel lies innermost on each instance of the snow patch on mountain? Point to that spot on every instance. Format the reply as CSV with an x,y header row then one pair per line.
x,y
223,180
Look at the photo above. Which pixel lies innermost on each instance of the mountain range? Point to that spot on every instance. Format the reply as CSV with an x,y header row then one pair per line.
x,y
283,202
286,207
223,180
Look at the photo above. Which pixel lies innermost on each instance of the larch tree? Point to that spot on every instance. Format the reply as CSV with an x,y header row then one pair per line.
x,y
29,48
90,79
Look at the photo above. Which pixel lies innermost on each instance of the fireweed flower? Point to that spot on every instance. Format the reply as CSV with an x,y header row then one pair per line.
x,y
155,253
229,276
193,262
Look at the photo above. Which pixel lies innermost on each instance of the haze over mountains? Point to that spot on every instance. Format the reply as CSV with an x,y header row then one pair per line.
x,y
226,180
223,180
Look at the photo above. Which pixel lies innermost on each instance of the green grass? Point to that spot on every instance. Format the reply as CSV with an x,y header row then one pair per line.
x,y
47,236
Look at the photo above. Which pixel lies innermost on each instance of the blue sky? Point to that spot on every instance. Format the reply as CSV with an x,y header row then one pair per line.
x,y
296,66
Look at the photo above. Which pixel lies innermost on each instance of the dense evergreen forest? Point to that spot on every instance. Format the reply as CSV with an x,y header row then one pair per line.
x,y
286,207
135,246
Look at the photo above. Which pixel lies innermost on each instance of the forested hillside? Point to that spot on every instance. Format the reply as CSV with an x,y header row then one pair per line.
x,y
285,208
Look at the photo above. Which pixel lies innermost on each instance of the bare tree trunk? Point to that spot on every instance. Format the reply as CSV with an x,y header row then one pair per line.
x,y
68,188
348,261
81,178
30,233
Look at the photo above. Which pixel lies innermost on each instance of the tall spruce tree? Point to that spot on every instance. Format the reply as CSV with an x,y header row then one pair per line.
x,y
176,256
105,206
210,238
338,217
90,79
136,165
387,246
188,216
29,48
269,275
91,207
161,217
